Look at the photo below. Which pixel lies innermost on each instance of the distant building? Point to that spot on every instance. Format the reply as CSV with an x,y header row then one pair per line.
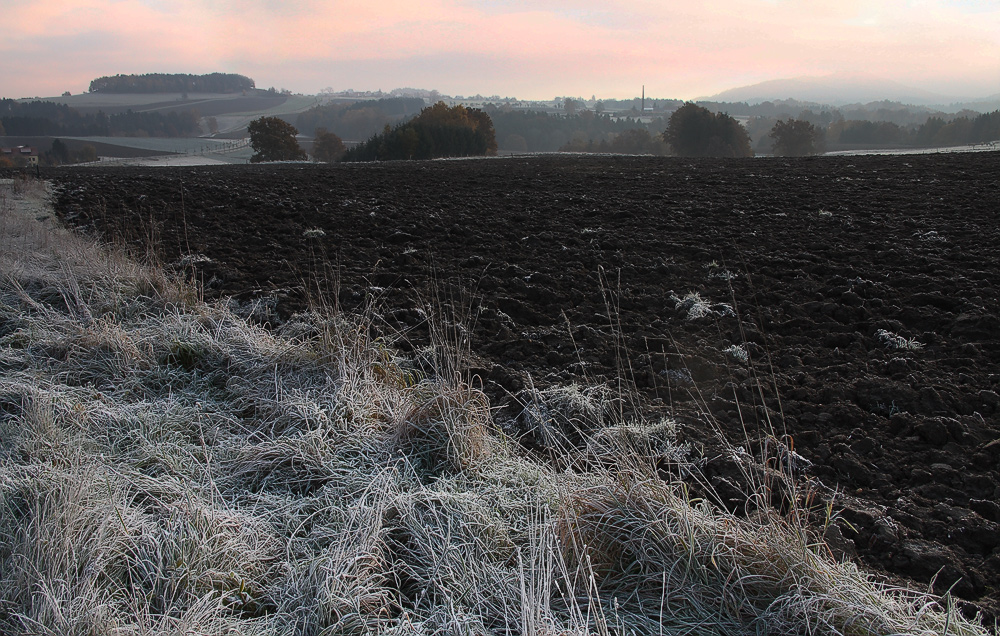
x,y
21,154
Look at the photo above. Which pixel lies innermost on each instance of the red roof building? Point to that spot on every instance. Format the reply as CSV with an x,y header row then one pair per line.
x,y
27,154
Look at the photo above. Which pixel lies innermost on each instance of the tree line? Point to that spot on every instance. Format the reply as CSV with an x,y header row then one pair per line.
x,y
633,141
172,83
696,130
438,131
823,115
579,129
48,119
536,131
691,131
456,131
516,130
933,132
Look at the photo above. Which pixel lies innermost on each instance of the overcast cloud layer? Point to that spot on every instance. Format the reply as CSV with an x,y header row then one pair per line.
x,y
534,49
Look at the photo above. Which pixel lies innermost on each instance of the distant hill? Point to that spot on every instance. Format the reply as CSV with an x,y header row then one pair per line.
x,y
984,105
834,90
172,83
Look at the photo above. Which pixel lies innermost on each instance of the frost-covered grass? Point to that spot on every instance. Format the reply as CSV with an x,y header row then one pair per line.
x,y
896,341
168,467
696,307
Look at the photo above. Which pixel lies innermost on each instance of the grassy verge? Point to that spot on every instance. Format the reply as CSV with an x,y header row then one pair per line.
x,y
169,467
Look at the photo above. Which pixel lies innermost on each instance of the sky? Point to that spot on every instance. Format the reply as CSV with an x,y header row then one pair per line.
x,y
530,49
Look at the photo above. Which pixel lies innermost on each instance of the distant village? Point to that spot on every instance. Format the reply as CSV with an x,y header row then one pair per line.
x,y
641,109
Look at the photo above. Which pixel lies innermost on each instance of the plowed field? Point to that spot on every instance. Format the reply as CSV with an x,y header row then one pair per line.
x,y
842,308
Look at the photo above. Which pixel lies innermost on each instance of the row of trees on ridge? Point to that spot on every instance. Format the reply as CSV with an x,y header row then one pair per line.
x,y
581,129
438,131
692,130
536,131
48,119
172,83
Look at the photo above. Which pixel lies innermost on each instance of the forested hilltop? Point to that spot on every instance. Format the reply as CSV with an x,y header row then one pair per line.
x,y
172,83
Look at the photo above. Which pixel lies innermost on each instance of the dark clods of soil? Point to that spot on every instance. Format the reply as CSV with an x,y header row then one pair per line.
x,y
839,312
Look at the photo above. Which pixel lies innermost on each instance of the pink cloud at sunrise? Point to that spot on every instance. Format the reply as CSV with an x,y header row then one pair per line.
x,y
523,48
